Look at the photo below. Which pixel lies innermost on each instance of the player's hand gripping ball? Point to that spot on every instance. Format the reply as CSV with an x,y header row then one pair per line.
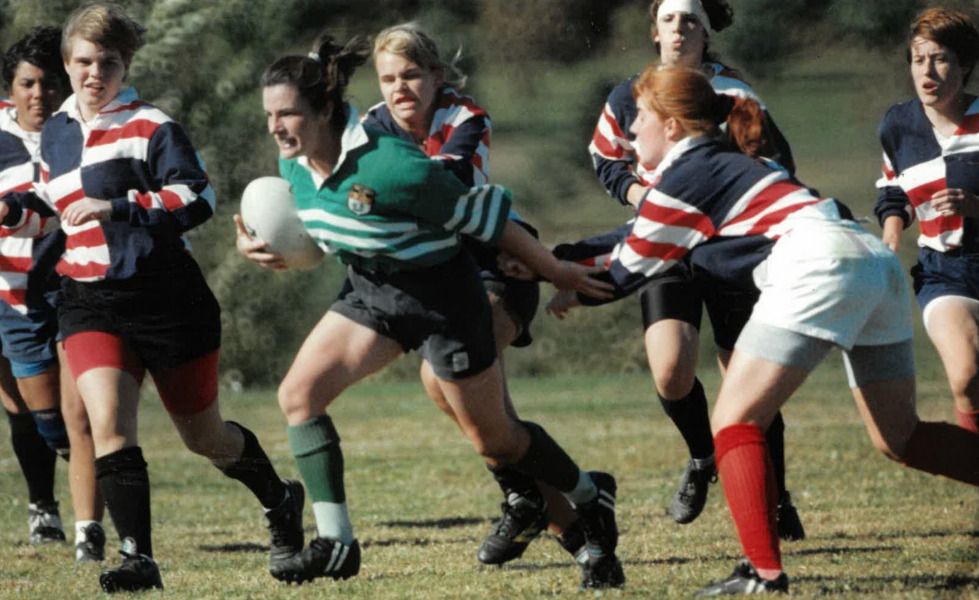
x,y
268,209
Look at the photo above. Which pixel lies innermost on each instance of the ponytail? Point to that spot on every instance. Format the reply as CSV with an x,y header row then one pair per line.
x,y
687,96
321,77
746,130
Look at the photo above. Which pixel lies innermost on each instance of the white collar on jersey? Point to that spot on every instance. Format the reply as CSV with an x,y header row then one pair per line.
x,y
8,123
125,96
353,137
679,149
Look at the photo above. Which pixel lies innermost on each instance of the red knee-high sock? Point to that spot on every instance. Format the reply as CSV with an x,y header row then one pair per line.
x,y
944,449
748,479
968,419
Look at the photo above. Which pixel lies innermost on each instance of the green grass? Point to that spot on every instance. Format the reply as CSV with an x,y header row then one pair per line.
x,y
421,502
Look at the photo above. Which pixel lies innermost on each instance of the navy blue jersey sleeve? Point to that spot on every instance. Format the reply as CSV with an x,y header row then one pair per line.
x,y
178,195
891,199
612,153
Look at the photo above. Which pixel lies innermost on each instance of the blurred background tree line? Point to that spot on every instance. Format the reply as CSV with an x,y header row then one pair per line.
x,y
827,70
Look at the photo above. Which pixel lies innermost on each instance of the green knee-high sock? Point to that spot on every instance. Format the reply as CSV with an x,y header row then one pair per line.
x,y
316,445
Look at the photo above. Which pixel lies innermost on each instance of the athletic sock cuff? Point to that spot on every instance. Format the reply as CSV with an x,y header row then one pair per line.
x,y
733,436
127,459
312,436
696,392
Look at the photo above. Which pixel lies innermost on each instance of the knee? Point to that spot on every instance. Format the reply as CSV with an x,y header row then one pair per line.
x,y
498,446
295,400
893,446
51,426
674,377
964,383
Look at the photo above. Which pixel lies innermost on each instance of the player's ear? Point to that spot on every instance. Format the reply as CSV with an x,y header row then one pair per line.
x,y
674,130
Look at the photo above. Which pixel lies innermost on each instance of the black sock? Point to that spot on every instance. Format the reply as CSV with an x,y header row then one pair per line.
x,y
547,461
775,435
511,480
691,418
125,485
254,469
35,458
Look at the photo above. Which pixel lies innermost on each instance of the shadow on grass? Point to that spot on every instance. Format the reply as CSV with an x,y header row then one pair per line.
x,y
436,523
416,542
246,547
938,533
834,586
842,550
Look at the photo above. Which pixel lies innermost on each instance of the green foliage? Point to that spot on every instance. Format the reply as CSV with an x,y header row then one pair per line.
x,y
542,68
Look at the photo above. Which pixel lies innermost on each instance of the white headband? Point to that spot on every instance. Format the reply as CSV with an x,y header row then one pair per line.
x,y
690,7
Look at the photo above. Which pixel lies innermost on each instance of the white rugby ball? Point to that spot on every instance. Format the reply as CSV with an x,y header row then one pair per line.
x,y
268,209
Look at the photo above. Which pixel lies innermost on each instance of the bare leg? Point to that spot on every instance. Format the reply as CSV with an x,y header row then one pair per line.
x,y
85,496
953,326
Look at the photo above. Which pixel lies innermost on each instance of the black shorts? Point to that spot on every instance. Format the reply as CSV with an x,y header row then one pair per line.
x,y
167,319
520,301
441,311
683,291
675,294
728,307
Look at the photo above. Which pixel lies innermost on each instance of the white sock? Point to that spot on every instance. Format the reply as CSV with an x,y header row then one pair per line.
x,y
333,521
80,530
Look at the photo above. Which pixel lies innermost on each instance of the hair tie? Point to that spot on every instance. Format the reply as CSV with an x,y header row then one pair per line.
x,y
314,56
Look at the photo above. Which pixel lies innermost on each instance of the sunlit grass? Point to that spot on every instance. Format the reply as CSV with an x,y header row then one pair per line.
x,y
421,502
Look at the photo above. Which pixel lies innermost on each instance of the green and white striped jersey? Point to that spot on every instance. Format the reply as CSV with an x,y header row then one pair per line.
x,y
388,207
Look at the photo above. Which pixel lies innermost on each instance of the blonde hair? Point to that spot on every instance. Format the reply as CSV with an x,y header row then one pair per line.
x,y
105,24
408,40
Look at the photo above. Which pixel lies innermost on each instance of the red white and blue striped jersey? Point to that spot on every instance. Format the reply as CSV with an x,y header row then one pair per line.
x,y
25,262
729,207
918,161
459,135
142,162
613,148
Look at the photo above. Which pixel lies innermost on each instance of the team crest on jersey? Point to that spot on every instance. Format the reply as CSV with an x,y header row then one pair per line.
x,y
361,199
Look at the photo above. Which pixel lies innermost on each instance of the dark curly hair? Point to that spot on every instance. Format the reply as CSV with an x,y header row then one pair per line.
x,y
41,47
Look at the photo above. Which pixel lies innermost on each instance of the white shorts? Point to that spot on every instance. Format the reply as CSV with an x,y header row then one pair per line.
x,y
834,281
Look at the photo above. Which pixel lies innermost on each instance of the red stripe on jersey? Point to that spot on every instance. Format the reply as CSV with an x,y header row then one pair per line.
x,y
888,172
650,249
970,124
171,200
17,264
88,238
777,216
139,128
764,199
62,203
939,225
925,191
605,145
77,271
677,218
14,297
6,104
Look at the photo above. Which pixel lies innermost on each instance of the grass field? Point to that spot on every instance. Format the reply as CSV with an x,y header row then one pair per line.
x,y
421,502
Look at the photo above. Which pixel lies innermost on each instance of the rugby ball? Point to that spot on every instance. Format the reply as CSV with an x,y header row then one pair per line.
x,y
268,209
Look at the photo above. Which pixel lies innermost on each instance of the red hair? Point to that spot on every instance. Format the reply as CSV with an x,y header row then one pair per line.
x,y
687,96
